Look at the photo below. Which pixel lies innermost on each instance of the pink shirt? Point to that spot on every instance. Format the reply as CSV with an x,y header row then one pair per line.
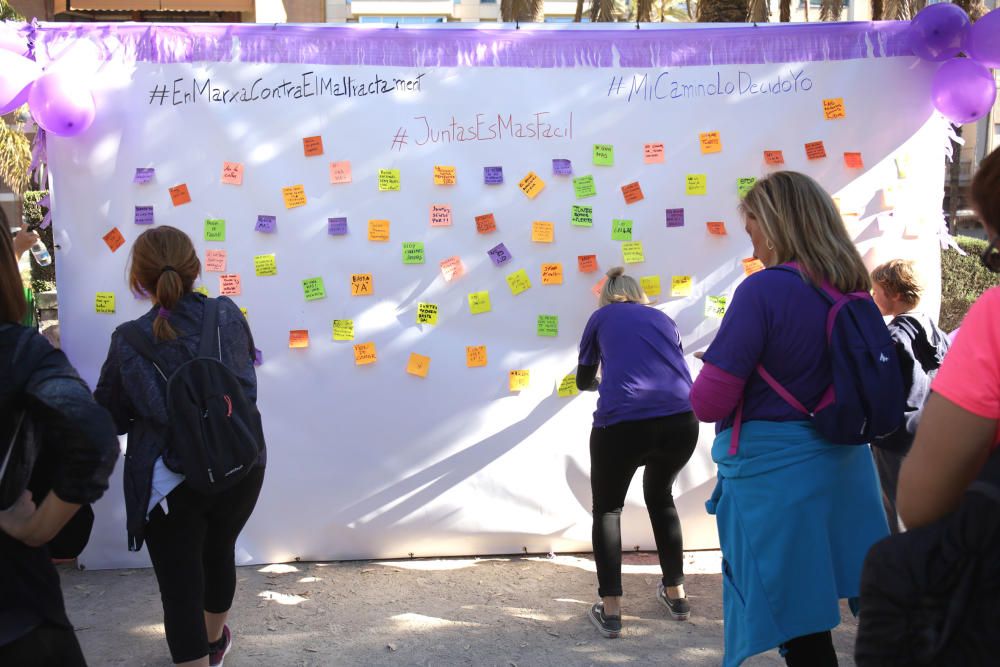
x,y
970,375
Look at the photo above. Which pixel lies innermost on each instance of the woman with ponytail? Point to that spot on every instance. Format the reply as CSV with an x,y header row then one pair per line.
x,y
643,418
191,535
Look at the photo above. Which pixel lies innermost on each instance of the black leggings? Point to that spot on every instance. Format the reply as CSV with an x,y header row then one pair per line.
x,y
663,445
192,547
814,650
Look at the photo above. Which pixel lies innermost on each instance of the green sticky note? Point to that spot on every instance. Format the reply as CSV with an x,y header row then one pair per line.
x,y
584,187
413,252
518,281
604,155
265,265
744,185
548,325
479,302
313,289
632,252
215,229
567,386
621,230
696,184
104,302
427,313
388,180
582,216
715,306
343,329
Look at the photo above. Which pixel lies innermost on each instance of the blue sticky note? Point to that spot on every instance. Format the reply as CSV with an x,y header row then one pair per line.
x,y
562,167
143,215
266,223
336,226
675,217
144,175
499,254
493,175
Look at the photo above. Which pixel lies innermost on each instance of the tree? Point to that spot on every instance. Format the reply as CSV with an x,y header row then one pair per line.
x,y
723,11
15,150
522,11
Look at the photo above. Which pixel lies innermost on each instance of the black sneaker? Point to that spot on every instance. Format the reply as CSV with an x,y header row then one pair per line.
x,y
679,609
217,651
609,626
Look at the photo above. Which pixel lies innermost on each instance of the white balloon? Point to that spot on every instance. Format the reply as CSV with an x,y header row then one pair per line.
x,y
81,58
12,39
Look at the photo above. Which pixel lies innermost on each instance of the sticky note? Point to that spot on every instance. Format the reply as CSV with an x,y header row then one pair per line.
x,y
542,232
418,365
531,185
361,284
114,239
143,215
440,215
744,184
179,195
388,180
475,356
444,175
652,153
265,265
258,357
715,306
815,150
427,313
229,284
378,230
492,175
675,217
752,265
143,175
518,281
562,167
853,161
215,261
215,229
621,230
518,380
364,354
294,196
499,254
681,285
313,289
201,289
232,173
451,268
710,142
604,155
650,285
774,157
582,216
716,228
479,302
632,193
586,263
596,289
340,172
486,223
245,314
266,224
902,166
584,186
336,226
312,146
632,252
834,108
552,274
298,338
567,386
696,184
104,302
548,325
343,329
413,252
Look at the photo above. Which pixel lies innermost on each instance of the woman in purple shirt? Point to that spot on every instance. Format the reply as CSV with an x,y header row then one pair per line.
x,y
643,418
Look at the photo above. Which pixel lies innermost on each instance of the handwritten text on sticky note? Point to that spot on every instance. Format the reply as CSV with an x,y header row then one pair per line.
x,y
621,230
479,302
229,284
265,265
586,263
336,226
486,223
418,365
364,354
716,228
475,356
710,142
143,215
562,167
584,186
266,224
632,193
361,284
104,302
294,196
413,252
531,185
340,172
444,175
548,325
650,285
298,338
144,175
312,146
313,289
215,229
681,285
493,175
652,153
179,195
518,380
114,239
378,230
696,184
451,268
604,155
582,216
834,108
675,217
215,261
518,281
815,150
343,329
499,254
552,274
232,173
567,387
388,180
774,157
427,313
632,252
542,232
440,215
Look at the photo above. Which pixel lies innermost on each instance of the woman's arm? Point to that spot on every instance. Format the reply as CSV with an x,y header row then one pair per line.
x,y
586,377
37,526
715,393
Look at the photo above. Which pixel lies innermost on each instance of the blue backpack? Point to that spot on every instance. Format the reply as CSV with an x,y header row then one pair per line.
x,y
865,400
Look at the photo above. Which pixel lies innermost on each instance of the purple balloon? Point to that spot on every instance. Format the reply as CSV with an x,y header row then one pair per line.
x,y
16,73
963,90
939,32
984,40
19,100
62,104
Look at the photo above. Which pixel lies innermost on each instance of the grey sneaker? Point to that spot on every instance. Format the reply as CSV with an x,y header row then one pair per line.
x,y
609,626
679,609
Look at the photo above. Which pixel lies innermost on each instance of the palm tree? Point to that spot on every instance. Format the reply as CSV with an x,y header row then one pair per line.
x,y
723,11
526,11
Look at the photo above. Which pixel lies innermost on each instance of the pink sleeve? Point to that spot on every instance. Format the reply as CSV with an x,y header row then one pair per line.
x,y
715,394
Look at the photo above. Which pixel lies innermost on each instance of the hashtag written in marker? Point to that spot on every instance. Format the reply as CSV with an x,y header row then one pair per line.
x,y
160,93
399,140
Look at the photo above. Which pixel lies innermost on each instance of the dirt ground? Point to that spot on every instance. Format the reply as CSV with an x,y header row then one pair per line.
x,y
505,611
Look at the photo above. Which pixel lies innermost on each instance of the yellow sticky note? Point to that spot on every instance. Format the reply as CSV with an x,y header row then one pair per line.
x,y
265,265
388,180
343,329
294,196
567,386
201,289
475,356
552,274
418,365
479,302
696,184
715,306
378,230
364,354
650,285
361,284
518,380
710,142
543,232
632,252
104,302
427,313
518,281
444,175
531,185
681,285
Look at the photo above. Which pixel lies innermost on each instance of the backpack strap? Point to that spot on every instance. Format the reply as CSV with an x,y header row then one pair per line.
x,y
138,340
210,344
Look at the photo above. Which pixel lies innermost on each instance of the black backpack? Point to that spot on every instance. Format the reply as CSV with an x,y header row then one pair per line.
x,y
214,431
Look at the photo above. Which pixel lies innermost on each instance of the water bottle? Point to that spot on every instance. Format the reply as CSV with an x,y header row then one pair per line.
x,y
41,253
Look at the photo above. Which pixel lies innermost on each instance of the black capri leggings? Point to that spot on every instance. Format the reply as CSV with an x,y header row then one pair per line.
x,y
663,445
193,552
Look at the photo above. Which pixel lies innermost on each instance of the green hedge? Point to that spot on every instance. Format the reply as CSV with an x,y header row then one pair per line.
x,y
963,279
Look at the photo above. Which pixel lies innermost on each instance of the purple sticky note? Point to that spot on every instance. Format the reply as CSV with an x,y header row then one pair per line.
x,y
258,357
562,167
493,175
336,226
675,217
143,215
499,254
144,175
266,223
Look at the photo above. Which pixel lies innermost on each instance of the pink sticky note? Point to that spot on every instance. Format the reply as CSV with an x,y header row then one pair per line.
x,y
652,153
452,268
229,284
440,215
215,261
340,172
232,173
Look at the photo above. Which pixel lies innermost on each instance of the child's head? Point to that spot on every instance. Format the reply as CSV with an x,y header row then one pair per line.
x,y
895,287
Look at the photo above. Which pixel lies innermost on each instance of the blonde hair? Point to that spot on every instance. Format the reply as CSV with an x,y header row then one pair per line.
x,y
898,278
800,219
619,288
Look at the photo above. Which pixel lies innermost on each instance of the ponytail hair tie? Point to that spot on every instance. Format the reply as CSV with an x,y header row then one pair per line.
x,y
164,313
167,268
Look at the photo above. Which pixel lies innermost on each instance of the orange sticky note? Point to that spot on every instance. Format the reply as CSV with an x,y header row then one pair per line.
x,y
440,215
340,172
834,108
475,356
232,173
179,194
444,175
531,185
552,274
586,263
752,265
486,223
312,146
114,239
543,232
774,157
596,289
815,150
294,196
451,268
711,142
364,354
215,261
652,153
716,228
378,230
854,161
229,284
298,338
418,365
632,193
361,284
518,380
